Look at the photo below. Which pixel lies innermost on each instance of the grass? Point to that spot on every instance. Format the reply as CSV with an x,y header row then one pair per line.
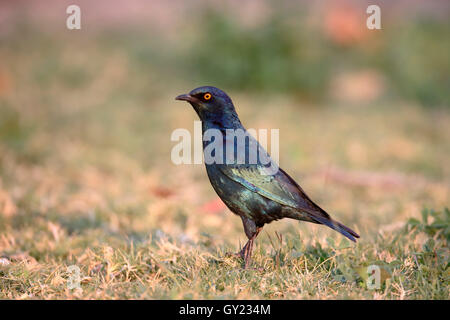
x,y
86,180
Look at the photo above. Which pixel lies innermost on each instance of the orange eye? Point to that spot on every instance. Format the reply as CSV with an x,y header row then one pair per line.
x,y
207,96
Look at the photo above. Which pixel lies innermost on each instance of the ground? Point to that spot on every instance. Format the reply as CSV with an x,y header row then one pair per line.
x,y
86,180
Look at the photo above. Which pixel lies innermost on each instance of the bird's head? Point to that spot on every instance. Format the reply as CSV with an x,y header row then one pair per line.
x,y
210,103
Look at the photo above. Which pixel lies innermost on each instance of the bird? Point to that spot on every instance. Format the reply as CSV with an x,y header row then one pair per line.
x,y
250,189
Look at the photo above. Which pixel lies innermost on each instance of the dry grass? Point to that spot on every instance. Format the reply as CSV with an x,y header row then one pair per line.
x,y
86,180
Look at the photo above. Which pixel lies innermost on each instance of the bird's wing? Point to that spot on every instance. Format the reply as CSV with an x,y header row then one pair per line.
x,y
283,189
279,187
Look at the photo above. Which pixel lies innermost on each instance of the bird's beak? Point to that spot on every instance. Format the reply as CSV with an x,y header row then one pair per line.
x,y
188,98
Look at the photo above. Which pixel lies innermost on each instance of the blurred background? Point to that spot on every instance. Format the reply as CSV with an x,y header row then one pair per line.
x,y
86,115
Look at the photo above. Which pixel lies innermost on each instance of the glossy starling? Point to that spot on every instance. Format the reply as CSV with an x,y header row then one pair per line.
x,y
247,187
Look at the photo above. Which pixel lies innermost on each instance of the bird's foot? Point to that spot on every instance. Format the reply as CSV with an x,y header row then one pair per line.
x,y
235,254
258,269
247,266
247,261
240,254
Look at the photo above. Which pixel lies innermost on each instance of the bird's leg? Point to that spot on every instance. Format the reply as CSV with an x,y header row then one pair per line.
x,y
238,254
251,231
248,249
242,252
248,254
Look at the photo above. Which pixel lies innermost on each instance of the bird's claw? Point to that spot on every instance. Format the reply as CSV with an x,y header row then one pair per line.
x,y
235,254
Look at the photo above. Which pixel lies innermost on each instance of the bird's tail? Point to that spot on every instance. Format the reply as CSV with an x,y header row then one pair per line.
x,y
339,227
